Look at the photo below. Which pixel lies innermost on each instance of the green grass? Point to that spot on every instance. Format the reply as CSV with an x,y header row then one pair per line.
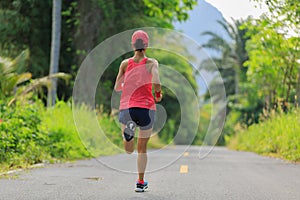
x,y
278,136
64,142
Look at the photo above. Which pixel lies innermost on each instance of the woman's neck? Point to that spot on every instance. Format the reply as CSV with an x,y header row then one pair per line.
x,y
138,56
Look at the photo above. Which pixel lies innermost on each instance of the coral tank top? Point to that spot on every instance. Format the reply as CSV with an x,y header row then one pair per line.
x,y
137,86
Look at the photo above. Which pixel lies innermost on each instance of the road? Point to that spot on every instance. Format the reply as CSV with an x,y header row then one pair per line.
x,y
223,174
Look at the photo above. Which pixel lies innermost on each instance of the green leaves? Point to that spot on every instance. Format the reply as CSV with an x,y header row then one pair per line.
x,y
272,60
11,74
22,137
286,13
15,83
170,10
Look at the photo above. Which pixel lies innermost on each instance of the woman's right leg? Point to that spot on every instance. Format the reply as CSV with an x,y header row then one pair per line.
x,y
128,146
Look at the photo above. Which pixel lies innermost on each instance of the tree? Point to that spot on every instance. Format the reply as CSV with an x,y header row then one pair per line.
x,y
12,74
284,12
298,89
26,24
175,10
272,62
243,106
55,48
277,38
232,54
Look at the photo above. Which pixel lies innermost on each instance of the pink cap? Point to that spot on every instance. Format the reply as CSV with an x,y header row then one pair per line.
x,y
140,35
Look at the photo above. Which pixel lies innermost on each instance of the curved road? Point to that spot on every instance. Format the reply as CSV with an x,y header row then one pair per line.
x,y
223,174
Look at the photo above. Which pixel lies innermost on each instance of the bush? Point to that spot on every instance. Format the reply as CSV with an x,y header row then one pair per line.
x,y
22,136
277,136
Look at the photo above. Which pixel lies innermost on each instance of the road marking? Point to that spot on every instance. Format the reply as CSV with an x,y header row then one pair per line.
x,y
186,154
184,169
94,178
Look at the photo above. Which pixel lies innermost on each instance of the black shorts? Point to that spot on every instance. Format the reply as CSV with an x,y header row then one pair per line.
x,y
143,117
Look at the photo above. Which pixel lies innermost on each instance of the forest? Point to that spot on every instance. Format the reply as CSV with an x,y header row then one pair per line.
x,y
44,43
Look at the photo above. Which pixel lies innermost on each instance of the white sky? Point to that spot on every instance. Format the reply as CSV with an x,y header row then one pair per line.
x,y
238,8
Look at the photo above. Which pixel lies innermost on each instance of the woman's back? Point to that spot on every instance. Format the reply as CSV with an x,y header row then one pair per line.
x,y
137,88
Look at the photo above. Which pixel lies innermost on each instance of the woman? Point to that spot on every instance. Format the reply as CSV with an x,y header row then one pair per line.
x,y
137,104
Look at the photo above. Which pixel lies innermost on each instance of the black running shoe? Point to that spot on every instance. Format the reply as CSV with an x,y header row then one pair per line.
x,y
141,186
129,130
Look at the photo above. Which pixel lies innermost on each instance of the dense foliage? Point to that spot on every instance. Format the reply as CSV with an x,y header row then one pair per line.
x,y
22,136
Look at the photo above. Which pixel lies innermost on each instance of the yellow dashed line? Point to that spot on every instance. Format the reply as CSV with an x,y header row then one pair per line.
x,y
186,154
184,169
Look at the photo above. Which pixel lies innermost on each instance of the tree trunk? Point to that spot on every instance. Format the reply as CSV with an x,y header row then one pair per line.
x,y
236,89
236,83
55,48
298,89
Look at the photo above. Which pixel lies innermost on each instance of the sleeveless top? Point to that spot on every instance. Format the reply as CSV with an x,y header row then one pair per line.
x,y
137,87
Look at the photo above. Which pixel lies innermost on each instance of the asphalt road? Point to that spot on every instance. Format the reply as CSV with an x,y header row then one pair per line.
x,y
223,174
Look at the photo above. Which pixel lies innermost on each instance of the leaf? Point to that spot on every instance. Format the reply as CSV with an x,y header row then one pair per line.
x,y
24,77
18,64
38,83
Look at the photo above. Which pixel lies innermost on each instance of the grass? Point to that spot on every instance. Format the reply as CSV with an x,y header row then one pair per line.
x,y
64,142
278,136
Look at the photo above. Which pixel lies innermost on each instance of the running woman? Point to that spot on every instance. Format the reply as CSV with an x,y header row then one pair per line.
x,y
135,79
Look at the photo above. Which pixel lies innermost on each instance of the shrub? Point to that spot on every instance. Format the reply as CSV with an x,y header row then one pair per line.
x,y
22,136
278,136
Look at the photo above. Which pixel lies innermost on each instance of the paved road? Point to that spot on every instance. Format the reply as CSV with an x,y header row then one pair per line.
x,y
223,174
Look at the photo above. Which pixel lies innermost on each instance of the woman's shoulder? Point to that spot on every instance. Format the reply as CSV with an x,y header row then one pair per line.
x,y
124,64
151,61
125,61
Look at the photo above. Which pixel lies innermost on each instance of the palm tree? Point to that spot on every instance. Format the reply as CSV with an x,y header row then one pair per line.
x,y
55,47
16,84
11,74
232,54
230,60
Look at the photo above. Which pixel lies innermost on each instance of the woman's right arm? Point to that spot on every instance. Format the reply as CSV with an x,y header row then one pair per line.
x,y
120,78
156,81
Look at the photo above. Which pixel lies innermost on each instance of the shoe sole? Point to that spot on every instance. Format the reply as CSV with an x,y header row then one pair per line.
x,y
141,189
129,130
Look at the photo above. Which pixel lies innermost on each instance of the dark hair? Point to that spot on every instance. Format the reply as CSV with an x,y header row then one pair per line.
x,y
139,45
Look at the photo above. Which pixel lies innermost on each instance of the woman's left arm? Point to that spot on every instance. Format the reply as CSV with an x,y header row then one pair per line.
x,y
120,78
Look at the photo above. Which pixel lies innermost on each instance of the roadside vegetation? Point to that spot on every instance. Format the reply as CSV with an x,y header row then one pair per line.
x,y
259,64
277,136
32,134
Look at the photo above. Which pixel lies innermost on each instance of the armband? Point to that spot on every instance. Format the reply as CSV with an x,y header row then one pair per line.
x,y
158,94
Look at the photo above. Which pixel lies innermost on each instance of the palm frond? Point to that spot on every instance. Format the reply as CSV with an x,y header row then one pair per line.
x,y
23,78
19,63
39,83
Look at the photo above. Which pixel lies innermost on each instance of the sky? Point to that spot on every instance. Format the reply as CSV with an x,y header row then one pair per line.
x,y
238,9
